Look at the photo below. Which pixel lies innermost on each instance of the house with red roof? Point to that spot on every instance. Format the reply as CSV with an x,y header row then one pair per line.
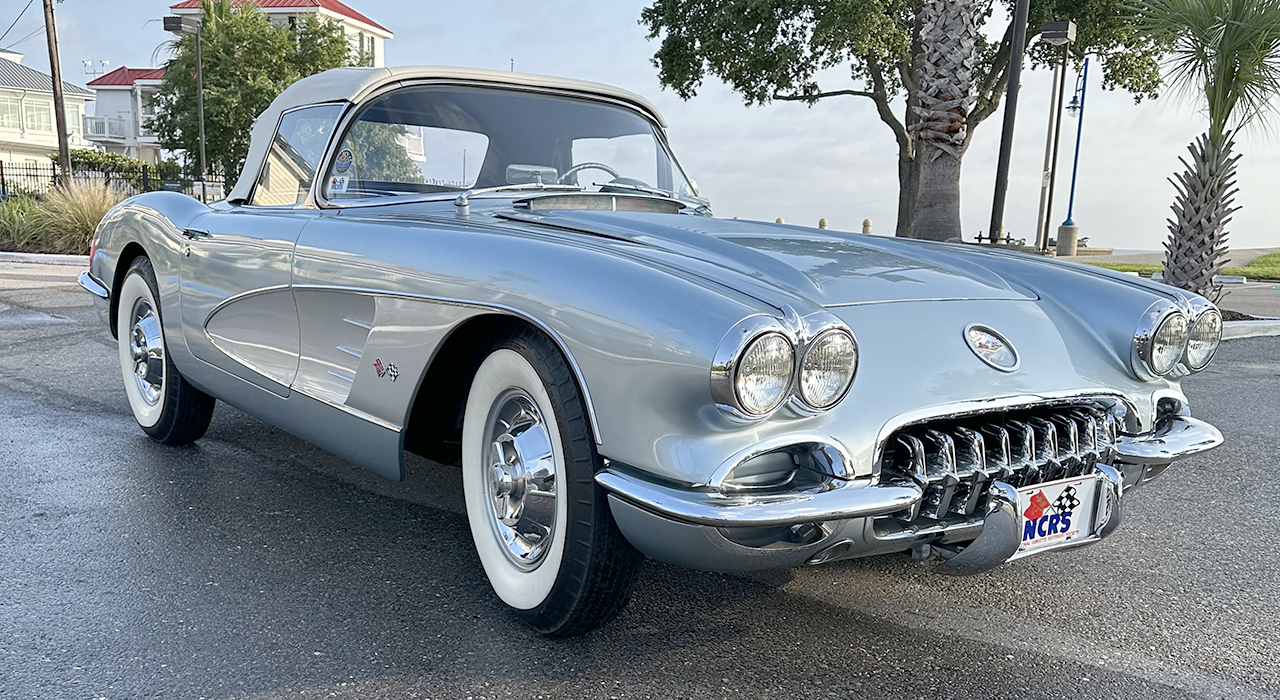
x,y
124,104
366,36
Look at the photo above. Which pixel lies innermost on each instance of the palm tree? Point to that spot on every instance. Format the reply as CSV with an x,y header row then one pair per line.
x,y
1228,53
945,77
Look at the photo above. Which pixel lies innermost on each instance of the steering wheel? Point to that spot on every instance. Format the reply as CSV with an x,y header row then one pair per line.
x,y
572,172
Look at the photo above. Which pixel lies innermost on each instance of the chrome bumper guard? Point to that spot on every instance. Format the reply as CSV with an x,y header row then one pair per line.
x,y
1136,457
93,286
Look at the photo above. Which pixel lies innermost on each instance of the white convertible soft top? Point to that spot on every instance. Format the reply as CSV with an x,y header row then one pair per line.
x,y
354,84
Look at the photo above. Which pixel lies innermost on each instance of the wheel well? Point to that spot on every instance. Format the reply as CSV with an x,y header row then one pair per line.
x,y
131,252
434,428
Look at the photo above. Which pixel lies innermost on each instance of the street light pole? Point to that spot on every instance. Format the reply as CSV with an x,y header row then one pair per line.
x,y
1077,108
204,184
190,25
1056,34
1010,113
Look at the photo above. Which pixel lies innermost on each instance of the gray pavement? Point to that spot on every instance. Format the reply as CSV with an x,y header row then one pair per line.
x,y
1237,257
253,565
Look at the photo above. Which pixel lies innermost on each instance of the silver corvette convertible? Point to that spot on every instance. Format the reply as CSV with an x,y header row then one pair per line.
x,y
512,273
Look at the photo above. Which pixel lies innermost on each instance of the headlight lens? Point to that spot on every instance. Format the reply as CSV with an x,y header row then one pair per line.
x,y
764,373
1168,343
828,368
1203,340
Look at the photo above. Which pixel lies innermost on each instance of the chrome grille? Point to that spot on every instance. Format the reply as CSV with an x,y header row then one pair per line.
x,y
955,460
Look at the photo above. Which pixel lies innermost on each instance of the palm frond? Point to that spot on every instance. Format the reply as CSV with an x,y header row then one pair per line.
x,y
1227,51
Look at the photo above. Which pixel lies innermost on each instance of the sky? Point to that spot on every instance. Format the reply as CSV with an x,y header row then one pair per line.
x,y
835,160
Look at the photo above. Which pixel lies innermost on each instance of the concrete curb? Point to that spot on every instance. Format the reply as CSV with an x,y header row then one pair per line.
x,y
45,259
1250,329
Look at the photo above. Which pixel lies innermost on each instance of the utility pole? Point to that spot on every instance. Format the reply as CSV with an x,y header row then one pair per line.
x,y
1019,38
59,105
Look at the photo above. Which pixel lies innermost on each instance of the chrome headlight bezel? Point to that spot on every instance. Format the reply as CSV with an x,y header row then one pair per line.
x,y
1149,326
724,368
1203,312
810,345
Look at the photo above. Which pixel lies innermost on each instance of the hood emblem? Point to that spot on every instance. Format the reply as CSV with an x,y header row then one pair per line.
x,y
991,348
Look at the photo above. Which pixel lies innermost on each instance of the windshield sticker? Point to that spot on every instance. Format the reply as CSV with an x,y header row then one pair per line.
x,y
338,183
343,163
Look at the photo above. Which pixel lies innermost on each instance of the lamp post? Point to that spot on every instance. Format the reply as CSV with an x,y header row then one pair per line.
x,y
1055,34
191,25
1068,232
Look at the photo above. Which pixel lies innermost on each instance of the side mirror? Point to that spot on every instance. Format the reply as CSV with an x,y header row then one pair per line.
x,y
693,185
520,174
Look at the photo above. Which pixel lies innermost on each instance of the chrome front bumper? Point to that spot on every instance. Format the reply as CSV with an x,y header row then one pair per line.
x,y
692,526
93,286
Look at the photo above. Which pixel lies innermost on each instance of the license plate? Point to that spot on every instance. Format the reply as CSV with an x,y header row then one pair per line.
x,y
1056,512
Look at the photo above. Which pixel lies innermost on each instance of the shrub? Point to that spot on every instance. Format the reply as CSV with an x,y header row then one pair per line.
x,y
72,212
22,223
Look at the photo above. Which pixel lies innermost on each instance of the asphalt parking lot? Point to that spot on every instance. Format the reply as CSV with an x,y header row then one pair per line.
x,y
253,565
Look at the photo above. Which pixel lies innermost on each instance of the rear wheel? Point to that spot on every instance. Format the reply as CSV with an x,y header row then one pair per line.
x,y
541,525
167,408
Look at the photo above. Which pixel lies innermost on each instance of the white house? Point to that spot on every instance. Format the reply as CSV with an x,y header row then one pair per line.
x,y
124,103
365,35
28,131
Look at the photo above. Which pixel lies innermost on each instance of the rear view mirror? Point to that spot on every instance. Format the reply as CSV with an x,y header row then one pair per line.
x,y
520,174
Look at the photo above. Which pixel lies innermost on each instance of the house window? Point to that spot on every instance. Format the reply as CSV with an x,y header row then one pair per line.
x,y
39,115
73,119
10,113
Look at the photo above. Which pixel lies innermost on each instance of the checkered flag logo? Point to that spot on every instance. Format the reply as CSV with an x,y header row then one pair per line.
x,y
1067,500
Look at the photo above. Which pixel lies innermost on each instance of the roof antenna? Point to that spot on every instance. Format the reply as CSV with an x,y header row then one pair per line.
x,y
513,65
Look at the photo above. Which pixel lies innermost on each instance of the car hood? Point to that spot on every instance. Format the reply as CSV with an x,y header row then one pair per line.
x,y
772,261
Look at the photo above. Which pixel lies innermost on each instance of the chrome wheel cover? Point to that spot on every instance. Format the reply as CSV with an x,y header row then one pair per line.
x,y
146,347
520,479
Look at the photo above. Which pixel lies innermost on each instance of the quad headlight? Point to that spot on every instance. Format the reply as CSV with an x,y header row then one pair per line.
x,y
1167,337
764,361
763,376
826,373
1202,341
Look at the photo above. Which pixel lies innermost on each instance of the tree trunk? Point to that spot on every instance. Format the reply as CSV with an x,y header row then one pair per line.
x,y
908,192
1197,236
938,202
948,35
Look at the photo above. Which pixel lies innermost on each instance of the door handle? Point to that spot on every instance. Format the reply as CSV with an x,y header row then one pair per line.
x,y
194,233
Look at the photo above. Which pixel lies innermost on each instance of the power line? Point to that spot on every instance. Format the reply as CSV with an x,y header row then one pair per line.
x,y
32,34
15,21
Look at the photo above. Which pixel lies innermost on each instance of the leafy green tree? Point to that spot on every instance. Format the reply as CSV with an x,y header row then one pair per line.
x,y
248,60
931,72
379,153
1226,53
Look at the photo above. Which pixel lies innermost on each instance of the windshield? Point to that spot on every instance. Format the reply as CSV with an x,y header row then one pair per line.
x,y
447,139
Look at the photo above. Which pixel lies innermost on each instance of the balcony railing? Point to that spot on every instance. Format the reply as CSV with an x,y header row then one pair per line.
x,y
105,128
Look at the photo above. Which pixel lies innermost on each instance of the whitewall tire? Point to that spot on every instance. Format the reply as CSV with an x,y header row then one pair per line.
x,y
541,525
167,408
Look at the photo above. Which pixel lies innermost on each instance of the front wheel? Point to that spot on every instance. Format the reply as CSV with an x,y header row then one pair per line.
x,y
541,525
167,408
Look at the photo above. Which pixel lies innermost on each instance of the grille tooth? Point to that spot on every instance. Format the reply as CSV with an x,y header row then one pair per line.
x,y
1023,443
910,468
940,466
1068,443
1046,448
998,452
971,467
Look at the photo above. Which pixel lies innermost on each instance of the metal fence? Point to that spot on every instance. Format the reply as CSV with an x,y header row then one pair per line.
x,y
35,179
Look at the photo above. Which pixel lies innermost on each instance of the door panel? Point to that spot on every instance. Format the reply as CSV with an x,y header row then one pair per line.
x,y
236,274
